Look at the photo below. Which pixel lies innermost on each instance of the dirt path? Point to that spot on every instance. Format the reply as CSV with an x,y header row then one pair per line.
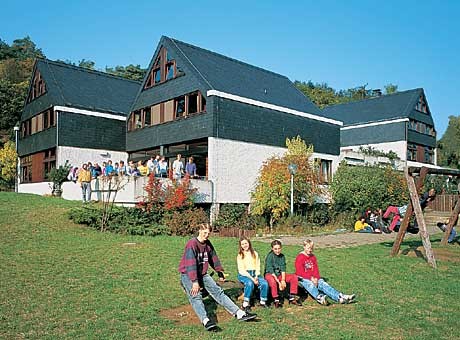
x,y
345,239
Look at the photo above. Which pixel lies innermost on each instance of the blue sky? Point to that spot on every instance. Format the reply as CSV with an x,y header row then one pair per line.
x,y
343,43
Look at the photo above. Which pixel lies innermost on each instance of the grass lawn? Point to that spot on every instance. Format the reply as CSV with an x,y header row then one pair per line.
x,y
59,280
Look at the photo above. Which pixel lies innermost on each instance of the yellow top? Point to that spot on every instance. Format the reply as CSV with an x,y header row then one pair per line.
x,y
360,225
84,176
248,263
144,170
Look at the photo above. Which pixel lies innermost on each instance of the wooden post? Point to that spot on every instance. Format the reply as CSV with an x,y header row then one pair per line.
x,y
420,221
453,218
409,211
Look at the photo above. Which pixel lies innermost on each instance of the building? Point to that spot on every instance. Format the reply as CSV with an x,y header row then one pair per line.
x,y
399,122
229,115
71,113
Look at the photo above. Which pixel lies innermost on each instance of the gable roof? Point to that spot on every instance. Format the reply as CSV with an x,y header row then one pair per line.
x,y
224,74
391,106
78,87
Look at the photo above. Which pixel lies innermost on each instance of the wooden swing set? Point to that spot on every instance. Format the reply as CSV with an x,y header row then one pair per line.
x,y
414,206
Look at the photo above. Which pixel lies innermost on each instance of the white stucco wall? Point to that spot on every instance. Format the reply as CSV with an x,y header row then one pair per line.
x,y
234,166
78,156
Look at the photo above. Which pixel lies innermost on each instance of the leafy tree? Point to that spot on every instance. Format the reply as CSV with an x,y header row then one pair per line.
x,y
8,163
449,144
134,72
11,102
356,188
25,48
271,195
391,88
89,64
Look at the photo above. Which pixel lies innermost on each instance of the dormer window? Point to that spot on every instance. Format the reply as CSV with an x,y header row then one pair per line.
x,y
421,105
163,69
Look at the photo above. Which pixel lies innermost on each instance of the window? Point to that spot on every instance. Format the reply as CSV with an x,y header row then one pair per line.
x,y
38,87
192,103
421,105
26,169
176,108
411,152
325,170
147,116
429,154
163,69
49,161
180,107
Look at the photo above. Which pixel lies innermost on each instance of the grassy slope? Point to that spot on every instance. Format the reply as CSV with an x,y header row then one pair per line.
x,y
61,280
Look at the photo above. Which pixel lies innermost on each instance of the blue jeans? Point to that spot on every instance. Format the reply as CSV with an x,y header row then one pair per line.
x,y
452,235
214,290
323,286
86,191
249,286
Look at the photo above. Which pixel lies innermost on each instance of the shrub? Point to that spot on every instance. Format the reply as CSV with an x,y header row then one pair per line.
x,y
355,188
318,214
185,222
89,215
295,224
232,215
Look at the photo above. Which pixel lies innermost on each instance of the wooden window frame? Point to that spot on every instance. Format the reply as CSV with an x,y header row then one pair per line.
x,y
38,87
161,65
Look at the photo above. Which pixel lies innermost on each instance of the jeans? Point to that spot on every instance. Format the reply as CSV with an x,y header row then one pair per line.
x,y
323,286
452,235
86,191
213,289
249,286
367,229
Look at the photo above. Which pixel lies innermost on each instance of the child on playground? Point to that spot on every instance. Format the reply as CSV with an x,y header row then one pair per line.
x,y
275,274
198,255
248,262
306,268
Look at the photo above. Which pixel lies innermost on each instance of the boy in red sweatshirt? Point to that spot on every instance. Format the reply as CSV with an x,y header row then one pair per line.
x,y
306,267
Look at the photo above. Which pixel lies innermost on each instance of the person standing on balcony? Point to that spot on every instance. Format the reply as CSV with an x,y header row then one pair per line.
x,y
84,179
178,168
190,168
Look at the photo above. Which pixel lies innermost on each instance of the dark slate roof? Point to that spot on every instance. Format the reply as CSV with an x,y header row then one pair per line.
x,y
228,75
392,106
79,87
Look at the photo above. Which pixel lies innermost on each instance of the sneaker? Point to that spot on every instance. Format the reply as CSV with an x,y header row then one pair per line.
x,y
263,305
277,304
347,298
248,316
295,302
321,299
247,309
210,326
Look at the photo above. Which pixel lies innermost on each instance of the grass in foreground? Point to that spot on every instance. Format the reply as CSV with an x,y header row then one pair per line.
x,y
61,280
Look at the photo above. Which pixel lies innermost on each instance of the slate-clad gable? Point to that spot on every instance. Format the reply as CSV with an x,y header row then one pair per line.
x,y
78,87
393,106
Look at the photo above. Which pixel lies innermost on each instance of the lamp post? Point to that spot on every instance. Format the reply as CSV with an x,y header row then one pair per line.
x,y
16,180
292,170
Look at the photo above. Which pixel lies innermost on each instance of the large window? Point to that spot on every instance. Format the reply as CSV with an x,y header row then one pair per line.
x,y
422,128
177,108
421,105
163,69
420,153
39,122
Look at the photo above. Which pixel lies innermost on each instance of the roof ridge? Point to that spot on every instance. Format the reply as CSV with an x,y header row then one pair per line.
x,y
374,98
229,58
83,69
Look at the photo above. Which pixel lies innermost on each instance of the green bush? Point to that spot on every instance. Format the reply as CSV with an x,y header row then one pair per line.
x,y
131,221
356,188
296,224
318,214
232,215
185,222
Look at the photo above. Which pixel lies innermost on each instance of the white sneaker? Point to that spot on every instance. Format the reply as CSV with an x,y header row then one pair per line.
x,y
322,300
346,298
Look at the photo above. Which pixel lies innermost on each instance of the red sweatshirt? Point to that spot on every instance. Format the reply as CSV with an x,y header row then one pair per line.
x,y
306,266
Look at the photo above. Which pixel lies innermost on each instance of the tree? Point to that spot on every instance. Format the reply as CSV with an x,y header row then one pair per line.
x,y
11,103
134,72
271,195
449,144
89,64
25,48
390,88
8,163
